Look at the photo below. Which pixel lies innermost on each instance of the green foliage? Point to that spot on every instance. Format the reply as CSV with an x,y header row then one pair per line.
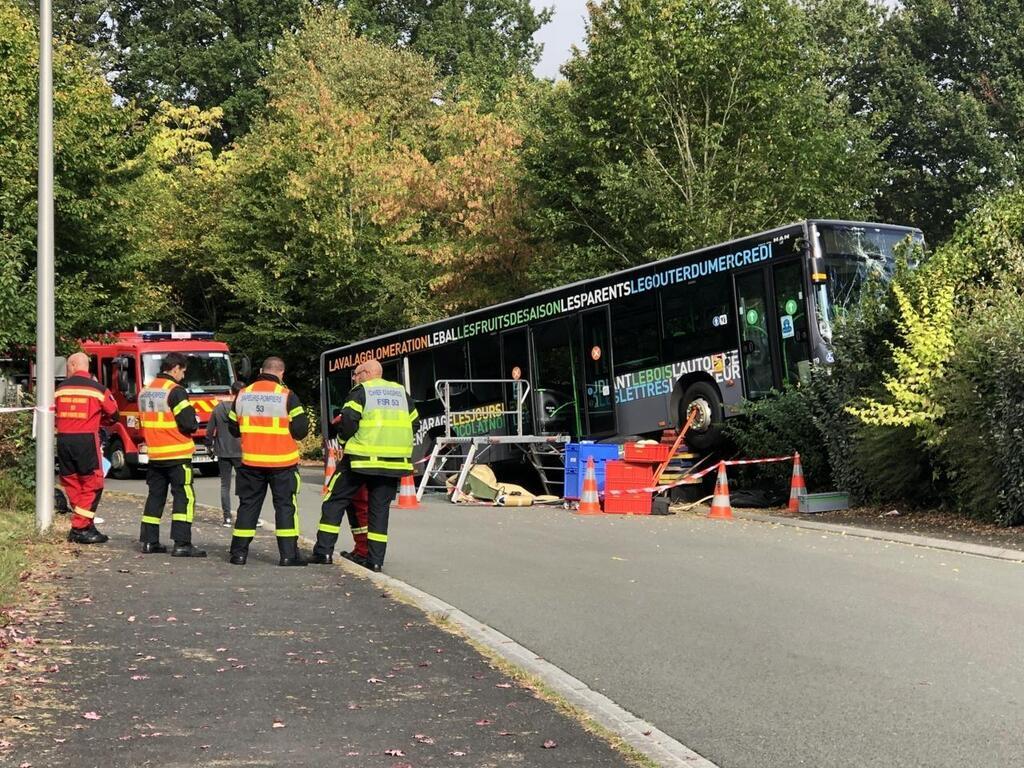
x,y
783,424
358,204
96,152
17,457
204,53
481,45
940,82
686,123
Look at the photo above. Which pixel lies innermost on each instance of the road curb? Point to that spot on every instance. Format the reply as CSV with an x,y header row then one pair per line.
x,y
914,540
639,734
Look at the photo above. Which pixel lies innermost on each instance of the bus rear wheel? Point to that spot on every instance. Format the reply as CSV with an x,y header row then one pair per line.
x,y
706,431
119,467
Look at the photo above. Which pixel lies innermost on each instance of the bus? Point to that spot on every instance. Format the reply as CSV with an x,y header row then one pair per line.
x,y
631,353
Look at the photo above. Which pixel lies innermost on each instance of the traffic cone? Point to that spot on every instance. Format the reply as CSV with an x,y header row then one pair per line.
x,y
590,503
407,494
330,467
721,507
797,487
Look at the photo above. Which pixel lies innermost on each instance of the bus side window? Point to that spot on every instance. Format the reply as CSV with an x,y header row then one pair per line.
x,y
392,371
635,332
485,363
338,386
695,318
421,375
450,363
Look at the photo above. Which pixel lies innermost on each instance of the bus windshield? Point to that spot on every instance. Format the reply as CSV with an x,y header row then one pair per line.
x,y
207,371
850,256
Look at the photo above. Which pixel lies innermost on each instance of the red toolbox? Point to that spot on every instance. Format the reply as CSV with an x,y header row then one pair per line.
x,y
624,476
654,453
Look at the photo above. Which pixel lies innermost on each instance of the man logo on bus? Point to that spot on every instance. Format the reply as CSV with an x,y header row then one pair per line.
x,y
595,353
516,373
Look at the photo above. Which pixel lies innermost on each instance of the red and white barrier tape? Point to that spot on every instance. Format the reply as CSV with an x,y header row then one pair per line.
x,y
687,479
36,410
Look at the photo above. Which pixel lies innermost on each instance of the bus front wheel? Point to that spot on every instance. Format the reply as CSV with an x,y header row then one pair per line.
x,y
706,431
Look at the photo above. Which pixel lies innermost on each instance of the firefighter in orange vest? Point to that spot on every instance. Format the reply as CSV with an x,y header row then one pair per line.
x,y
269,418
81,404
168,422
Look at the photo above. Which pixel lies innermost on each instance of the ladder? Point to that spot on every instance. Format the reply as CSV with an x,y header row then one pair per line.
x,y
548,461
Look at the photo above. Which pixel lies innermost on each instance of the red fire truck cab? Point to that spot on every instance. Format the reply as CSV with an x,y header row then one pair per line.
x,y
126,362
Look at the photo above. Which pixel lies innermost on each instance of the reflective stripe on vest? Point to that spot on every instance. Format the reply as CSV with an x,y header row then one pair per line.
x,y
164,440
384,438
263,419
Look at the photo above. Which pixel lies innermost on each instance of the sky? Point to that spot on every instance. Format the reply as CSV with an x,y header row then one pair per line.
x,y
565,28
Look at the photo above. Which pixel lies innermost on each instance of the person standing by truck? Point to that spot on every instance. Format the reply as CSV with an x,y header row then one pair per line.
x,y
82,404
226,447
168,423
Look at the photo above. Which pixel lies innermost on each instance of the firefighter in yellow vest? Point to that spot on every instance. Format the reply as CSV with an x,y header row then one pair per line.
x,y
269,418
168,422
376,425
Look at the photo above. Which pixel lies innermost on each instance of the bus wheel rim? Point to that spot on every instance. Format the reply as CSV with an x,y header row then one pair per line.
x,y
702,420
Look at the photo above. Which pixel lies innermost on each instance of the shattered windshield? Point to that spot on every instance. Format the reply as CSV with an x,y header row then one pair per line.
x,y
850,256
207,372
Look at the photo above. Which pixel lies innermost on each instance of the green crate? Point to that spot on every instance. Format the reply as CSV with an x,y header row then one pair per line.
x,y
814,503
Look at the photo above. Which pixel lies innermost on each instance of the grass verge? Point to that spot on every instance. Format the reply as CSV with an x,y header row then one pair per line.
x,y
17,532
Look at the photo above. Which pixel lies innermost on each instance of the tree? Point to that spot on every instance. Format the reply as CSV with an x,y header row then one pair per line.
x,y
685,123
101,273
480,44
360,203
207,53
941,82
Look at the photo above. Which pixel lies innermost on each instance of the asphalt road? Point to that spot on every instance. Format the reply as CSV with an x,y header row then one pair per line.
x,y
758,646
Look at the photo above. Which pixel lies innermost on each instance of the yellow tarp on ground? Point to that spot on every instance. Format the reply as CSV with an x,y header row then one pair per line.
x,y
482,485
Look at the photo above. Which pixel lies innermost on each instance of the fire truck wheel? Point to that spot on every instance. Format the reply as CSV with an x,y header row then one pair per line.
x,y
119,467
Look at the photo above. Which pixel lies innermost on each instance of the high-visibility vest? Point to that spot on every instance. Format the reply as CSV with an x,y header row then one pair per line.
x,y
164,441
384,438
263,419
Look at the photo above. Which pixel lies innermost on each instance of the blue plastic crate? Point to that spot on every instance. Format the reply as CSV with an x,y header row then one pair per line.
x,y
576,455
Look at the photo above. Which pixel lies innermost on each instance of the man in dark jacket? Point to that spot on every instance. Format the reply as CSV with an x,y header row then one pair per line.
x,y
226,447
377,424
82,404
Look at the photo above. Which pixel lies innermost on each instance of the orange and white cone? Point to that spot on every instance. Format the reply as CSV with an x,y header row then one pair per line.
x,y
407,494
797,487
330,467
590,503
721,507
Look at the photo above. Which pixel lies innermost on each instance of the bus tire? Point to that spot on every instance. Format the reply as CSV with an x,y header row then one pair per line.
x,y
706,432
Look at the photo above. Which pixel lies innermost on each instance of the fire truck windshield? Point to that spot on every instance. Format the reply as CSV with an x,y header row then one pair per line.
x,y
207,371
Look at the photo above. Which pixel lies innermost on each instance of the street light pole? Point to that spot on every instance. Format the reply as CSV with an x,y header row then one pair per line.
x,y
44,279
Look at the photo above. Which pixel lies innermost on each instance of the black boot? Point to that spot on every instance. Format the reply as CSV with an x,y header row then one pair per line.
x,y
237,560
317,559
87,536
295,560
354,558
187,550
153,548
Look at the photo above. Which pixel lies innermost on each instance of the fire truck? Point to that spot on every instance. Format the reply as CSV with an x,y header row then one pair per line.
x,y
125,362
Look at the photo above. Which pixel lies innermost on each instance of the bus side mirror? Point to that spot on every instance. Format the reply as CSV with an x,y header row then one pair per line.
x,y
244,368
60,367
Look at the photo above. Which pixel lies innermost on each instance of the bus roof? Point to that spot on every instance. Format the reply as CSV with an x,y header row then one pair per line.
x,y
802,224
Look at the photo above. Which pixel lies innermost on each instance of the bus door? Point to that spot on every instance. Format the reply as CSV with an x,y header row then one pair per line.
x,y
772,320
597,373
515,364
557,377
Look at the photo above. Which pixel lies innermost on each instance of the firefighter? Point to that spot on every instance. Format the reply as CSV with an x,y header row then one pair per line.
x,y
377,424
82,404
358,520
269,419
168,422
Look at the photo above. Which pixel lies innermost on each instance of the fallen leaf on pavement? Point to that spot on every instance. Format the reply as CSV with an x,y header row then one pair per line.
x,y
457,753
423,739
374,680
503,685
394,753
278,724
550,744
91,716
140,677
484,721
